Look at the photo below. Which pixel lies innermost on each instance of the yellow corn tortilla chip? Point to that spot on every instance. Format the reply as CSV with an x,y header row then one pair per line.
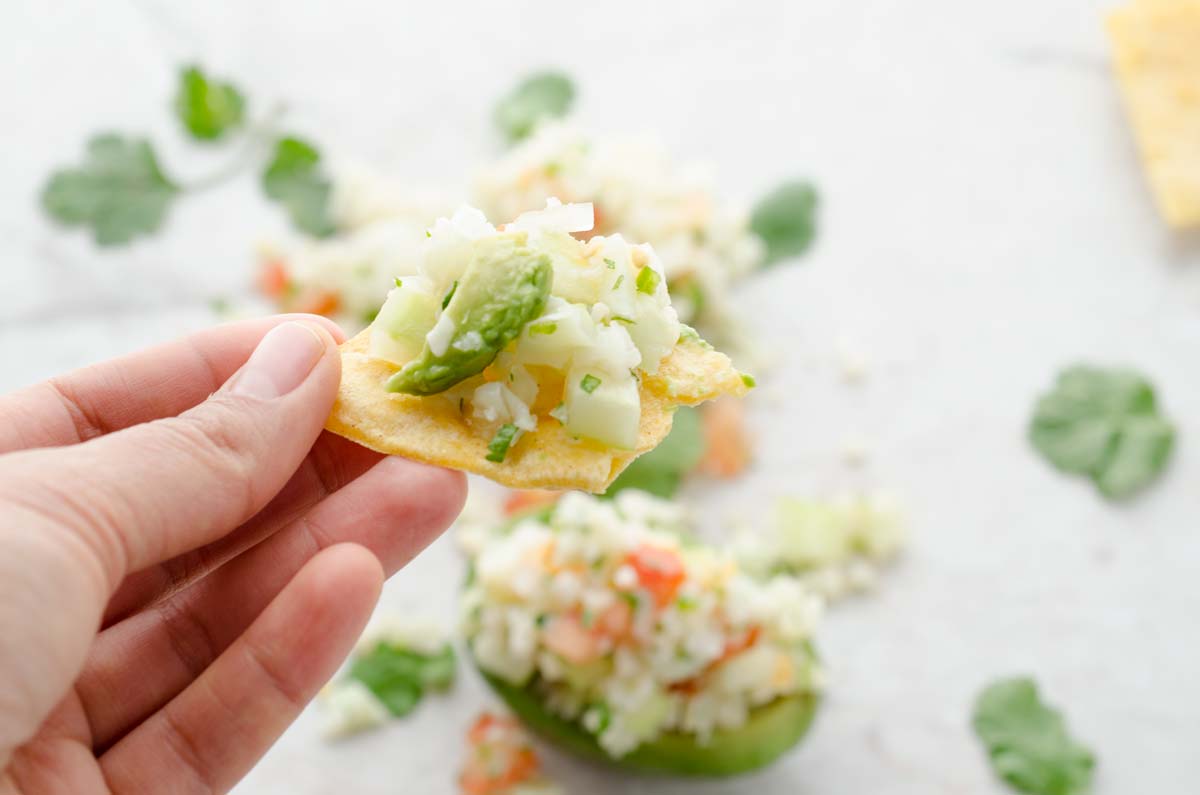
x,y
431,429
1156,54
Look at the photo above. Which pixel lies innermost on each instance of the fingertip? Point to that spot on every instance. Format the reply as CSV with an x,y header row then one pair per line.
x,y
347,572
334,331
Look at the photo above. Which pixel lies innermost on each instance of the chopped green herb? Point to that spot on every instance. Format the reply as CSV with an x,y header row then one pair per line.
x,y
428,233
498,447
631,598
626,320
208,109
544,327
749,381
368,316
541,619
119,192
398,676
661,470
399,283
1028,741
686,603
540,96
647,280
589,383
611,265
295,179
449,294
785,220
1104,424
617,283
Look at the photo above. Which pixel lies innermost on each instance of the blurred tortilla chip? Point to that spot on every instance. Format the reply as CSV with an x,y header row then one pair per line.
x,y
432,430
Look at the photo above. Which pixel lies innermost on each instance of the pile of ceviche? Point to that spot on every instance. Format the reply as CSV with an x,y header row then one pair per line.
x,y
608,634
527,354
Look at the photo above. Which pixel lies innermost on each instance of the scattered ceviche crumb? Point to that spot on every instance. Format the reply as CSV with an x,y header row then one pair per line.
x,y
395,662
615,625
835,547
500,760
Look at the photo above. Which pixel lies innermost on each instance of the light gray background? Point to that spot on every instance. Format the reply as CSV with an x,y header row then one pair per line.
x,y
984,223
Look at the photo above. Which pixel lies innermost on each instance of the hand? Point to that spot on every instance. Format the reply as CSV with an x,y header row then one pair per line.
x,y
185,558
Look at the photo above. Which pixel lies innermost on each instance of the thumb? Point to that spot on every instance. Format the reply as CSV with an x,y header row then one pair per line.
x,y
153,491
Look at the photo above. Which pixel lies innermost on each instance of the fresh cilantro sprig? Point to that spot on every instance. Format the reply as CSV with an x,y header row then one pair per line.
x,y
121,192
207,108
540,96
294,178
662,470
1028,742
786,220
398,676
1104,424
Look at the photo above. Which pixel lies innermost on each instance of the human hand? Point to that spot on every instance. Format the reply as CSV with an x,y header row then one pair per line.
x,y
186,557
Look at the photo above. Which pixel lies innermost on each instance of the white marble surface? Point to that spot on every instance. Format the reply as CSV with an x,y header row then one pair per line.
x,y
985,223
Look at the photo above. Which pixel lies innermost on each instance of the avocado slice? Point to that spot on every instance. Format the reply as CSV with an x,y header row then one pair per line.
x,y
504,286
771,730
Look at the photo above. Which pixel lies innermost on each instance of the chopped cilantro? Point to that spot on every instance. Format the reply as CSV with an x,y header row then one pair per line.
x,y
449,294
1028,741
611,265
398,281
626,320
647,280
617,283
498,446
749,381
785,220
295,179
398,676
539,96
119,192
1104,424
589,383
208,109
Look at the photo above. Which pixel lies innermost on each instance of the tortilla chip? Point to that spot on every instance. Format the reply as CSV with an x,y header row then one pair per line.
x,y
431,429
1156,54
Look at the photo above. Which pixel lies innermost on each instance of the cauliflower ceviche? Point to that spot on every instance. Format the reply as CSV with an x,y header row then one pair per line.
x,y
504,332
639,191
618,626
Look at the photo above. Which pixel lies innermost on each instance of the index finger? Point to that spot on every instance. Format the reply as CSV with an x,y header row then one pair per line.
x,y
162,381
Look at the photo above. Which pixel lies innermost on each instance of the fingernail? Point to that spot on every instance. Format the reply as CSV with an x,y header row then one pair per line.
x,y
281,362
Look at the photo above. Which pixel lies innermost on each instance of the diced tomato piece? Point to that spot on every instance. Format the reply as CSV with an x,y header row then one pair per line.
x,y
660,571
566,637
615,620
316,302
500,757
726,444
273,277
528,499
736,646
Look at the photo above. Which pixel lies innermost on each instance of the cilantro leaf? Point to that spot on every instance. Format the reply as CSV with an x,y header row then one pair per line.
x,y
208,109
498,446
295,179
786,220
1104,424
661,470
119,192
539,96
398,677
1028,741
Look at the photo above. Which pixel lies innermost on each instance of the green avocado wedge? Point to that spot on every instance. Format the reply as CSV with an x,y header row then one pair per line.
x,y
504,286
771,730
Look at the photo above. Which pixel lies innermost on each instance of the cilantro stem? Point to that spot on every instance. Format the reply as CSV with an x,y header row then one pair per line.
x,y
254,142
